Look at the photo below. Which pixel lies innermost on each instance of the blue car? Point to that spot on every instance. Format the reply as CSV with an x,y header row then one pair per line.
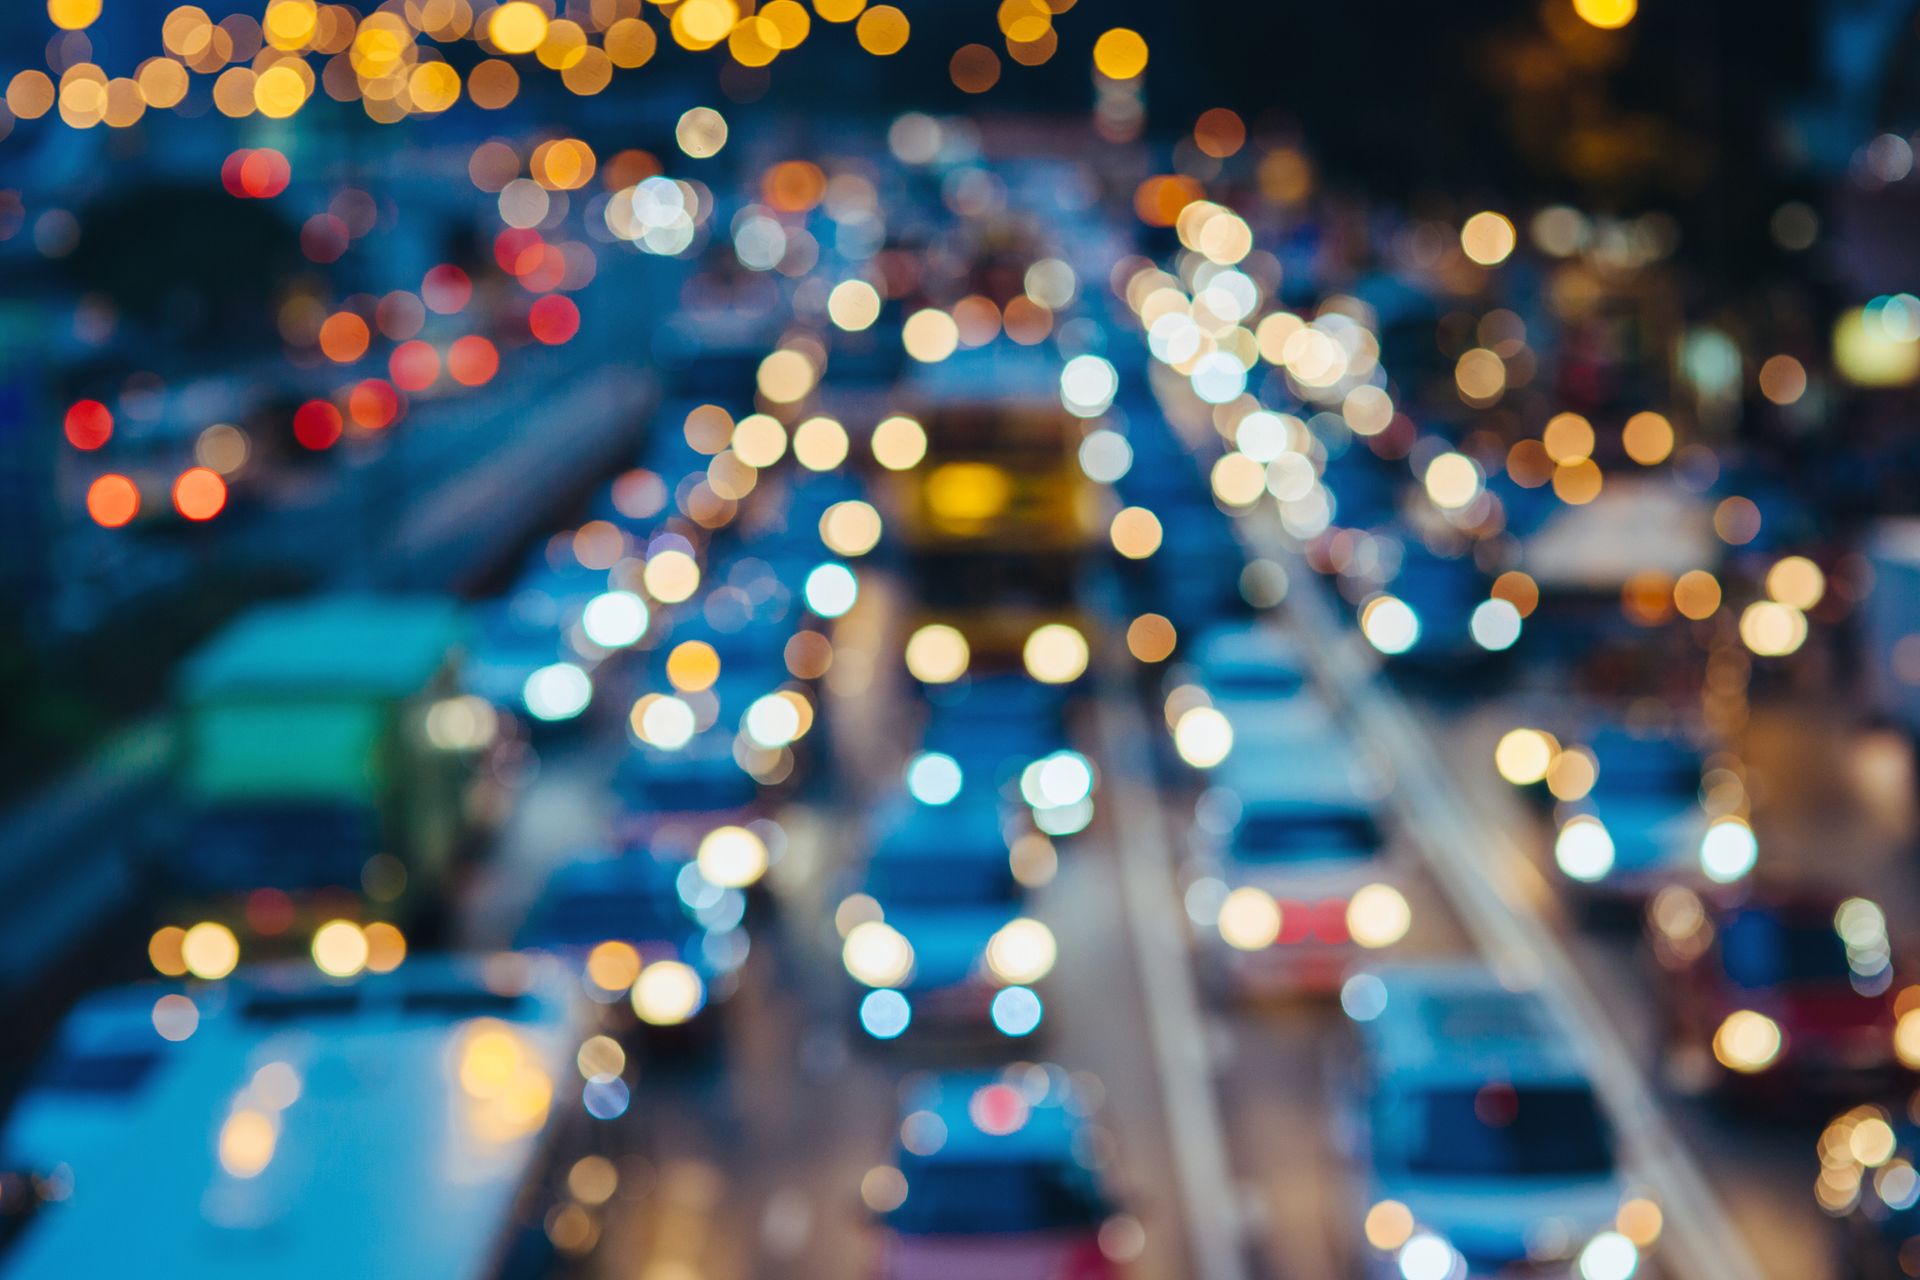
x,y
1642,826
655,944
1481,1145
935,937
995,1179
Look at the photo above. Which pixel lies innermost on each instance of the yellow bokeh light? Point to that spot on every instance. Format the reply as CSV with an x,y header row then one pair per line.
x,y
1696,594
517,27
340,948
853,305
1796,581
1608,15
850,528
1249,919
937,654
785,376
1488,238
1648,438
759,440
899,443
692,666
1055,654
73,15
1135,532
1524,755
613,966
1568,437
930,335
1120,54
209,950
882,30
820,444
671,576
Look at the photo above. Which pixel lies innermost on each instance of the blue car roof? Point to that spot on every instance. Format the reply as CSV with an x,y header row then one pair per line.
x,y
1047,1133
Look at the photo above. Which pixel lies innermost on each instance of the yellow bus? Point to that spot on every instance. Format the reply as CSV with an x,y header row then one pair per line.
x,y
998,514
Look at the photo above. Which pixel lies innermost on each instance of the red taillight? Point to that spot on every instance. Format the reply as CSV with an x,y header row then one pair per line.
x,y
1330,921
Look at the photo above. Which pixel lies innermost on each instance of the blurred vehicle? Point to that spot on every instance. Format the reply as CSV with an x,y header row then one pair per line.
x,y
1290,866
995,726
1481,1146
326,759
1892,617
1443,594
998,515
1642,825
712,352
1868,1181
676,796
934,937
652,939
1780,992
513,638
239,1130
995,1180
1246,662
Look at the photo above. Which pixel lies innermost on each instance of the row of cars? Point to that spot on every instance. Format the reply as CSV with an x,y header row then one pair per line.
x,y
1477,1140
1771,994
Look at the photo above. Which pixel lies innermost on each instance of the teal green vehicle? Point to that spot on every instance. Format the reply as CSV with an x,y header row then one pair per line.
x,y
326,760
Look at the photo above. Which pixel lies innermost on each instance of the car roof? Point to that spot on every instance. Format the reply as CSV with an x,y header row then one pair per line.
x,y
1456,1024
380,1135
385,646
1247,644
1047,1132
971,822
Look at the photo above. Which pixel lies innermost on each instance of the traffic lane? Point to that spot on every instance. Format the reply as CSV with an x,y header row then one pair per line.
x,y
755,1157
1761,1166
1278,1059
750,1162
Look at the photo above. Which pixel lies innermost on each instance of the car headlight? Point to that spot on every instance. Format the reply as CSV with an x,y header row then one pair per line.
x,y
1609,1256
1728,850
877,954
668,993
1747,1042
1427,1256
885,1013
1021,952
1584,849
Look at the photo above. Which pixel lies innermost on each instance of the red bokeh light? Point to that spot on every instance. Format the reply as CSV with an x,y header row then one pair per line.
x,y
230,172
541,268
414,366
265,173
199,493
373,404
113,500
89,424
446,289
511,245
316,424
472,361
553,319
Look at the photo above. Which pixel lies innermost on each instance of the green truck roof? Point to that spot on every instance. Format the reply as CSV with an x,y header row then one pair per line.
x,y
373,646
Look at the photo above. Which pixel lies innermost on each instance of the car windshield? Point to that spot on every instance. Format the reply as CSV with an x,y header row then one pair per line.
x,y
581,919
995,1197
665,788
941,880
1629,768
1762,949
97,1073
293,846
1281,836
1501,1130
